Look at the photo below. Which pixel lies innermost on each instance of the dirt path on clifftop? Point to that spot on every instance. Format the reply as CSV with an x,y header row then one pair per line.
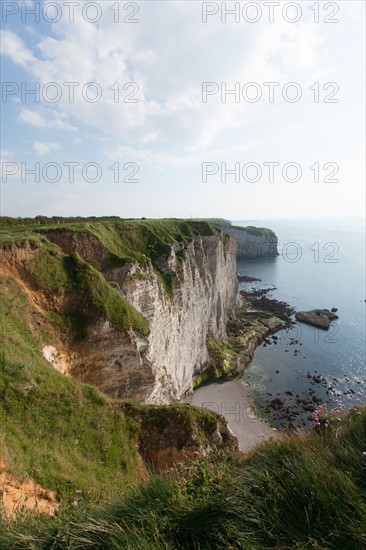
x,y
230,398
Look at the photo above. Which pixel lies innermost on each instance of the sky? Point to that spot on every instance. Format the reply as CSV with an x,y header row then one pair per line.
x,y
240,110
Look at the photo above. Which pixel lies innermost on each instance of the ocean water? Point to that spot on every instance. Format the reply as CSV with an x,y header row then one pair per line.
x,y
321,265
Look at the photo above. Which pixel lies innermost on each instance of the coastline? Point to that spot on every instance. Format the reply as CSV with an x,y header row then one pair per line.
x,y
231,399
257,321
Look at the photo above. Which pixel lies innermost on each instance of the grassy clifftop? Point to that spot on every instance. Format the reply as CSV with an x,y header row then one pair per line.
x,y
131,240
118,242
256,231
67,254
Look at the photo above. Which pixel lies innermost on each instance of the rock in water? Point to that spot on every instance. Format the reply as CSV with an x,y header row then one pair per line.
x,y
320,318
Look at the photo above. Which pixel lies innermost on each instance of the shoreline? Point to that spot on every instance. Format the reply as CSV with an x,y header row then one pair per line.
x,y
228,395
291,406
231,399
280,408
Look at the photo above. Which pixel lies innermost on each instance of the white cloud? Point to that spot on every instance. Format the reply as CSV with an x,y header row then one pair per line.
x,y
162,160
169,66
35,118
14,47
44,148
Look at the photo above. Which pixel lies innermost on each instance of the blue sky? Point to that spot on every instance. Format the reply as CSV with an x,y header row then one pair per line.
x,y
159,54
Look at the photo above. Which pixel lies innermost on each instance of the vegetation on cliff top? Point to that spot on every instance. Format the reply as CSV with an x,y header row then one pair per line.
x,y
105,298
124,241
129,240
116,233
256,231
304,492
252,230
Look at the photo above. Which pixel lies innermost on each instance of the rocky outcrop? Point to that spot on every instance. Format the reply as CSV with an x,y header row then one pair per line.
x,y
59,360
320,318
247,331
168,435
253,242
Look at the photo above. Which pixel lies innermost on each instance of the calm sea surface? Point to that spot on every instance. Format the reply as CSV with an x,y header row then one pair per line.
x,y
321,265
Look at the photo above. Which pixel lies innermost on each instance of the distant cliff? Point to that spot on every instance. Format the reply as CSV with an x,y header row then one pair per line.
x,y
253,242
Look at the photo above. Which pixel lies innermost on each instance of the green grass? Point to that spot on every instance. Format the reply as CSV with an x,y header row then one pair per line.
x,y
257,231
222,359
126,241
51,269
103,297
301,492
215,221
53,429
10,236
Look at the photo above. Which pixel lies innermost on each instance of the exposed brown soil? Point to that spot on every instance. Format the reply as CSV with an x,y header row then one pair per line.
x,y
16,495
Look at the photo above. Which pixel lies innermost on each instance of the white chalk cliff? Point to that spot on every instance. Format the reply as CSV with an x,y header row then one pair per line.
x,y
252,242
160,367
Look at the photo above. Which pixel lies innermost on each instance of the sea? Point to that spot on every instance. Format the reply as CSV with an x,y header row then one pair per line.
x,y
321,264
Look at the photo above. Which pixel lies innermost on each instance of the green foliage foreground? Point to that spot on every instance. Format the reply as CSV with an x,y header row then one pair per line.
x,y
298,492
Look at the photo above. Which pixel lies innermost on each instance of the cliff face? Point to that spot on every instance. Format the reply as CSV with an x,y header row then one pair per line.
x,y
253,242
160,367
171,300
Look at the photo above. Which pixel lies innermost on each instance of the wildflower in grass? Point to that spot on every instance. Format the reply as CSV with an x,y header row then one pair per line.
x,y
323,418
364,454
